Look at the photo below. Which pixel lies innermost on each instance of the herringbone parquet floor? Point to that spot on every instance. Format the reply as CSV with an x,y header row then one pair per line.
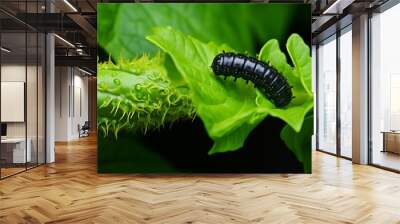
x,y
70,191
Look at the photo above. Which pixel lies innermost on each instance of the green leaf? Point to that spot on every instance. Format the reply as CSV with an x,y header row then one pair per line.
x,y
300,54
228,109
122,27
229,141
271,53
294,113
300,142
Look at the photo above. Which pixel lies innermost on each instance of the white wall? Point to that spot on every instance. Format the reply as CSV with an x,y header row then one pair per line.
x,y
62,82
71,94
33,127
16,72
80,110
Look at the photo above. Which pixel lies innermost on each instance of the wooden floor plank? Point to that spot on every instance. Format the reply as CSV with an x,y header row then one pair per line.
x,y
71,191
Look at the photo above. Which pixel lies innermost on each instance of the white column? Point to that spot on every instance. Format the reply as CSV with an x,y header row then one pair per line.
x,y
50,99
360,90
50,92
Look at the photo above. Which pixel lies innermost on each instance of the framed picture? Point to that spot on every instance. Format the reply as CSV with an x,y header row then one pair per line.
x,y
204,88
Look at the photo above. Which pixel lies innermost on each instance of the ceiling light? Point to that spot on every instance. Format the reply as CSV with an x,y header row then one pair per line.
x,y
70,5
84,71
5,50
329,9
65,41
337,7
79,51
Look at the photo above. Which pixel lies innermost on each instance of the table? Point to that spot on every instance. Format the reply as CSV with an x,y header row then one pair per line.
x,y
18,151
391,141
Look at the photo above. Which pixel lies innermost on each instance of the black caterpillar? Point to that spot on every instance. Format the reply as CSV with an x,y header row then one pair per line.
x,y
274,86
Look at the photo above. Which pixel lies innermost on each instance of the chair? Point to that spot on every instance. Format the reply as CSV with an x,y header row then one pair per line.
x,y
84,130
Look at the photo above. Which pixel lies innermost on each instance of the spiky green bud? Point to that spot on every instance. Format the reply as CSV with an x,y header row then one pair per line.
x,y
137,95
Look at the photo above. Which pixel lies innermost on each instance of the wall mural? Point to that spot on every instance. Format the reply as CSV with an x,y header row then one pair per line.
x,y
204,88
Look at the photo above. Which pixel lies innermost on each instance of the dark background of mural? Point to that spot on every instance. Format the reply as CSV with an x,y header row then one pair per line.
x,y
184,146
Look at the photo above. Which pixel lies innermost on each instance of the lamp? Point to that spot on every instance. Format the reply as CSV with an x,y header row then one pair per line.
x,y
64,40
70,5
5,50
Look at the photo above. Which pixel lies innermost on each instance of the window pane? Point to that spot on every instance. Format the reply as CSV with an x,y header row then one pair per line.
x,y
327,96
41,99
31,97
346,94
385,84
14,153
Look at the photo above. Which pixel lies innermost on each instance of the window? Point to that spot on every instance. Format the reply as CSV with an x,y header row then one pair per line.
x,y
22,77
346,92
385,89
327,95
